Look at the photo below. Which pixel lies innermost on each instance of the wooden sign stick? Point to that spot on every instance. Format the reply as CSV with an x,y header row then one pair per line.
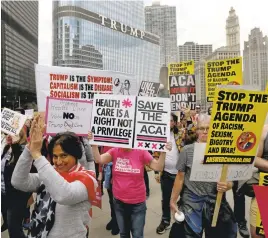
x,y
219,196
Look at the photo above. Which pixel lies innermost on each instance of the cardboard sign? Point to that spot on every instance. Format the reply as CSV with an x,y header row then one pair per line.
x,y
212,172
112,120
236,126
68,115
182,92
29,113
12,122
115,119
80,83
152,128
149,89
261,196
181,68
222,72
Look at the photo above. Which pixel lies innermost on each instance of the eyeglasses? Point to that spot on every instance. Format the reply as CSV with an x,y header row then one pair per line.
x,y
203,129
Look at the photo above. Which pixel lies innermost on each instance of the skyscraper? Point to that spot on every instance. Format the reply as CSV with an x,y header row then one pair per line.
x,y
108,35
255,57
231,50
193,51
161,20
19,52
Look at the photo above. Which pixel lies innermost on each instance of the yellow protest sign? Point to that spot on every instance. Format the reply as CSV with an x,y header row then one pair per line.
x,y
236,126
222,72
259,227
181,68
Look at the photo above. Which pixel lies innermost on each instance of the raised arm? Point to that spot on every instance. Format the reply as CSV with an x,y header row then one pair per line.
x,y
158,164
99,159
21,178
61,191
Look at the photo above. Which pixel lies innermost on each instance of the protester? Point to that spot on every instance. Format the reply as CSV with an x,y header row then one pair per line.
x,y
197,199
64,193
168,175
128,185
210,110
261,162
14,202
112,224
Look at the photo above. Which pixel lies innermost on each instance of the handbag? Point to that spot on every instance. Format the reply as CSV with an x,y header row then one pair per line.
x,y
246,187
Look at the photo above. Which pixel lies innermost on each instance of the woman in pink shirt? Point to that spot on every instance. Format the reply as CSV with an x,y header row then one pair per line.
x,y
128,185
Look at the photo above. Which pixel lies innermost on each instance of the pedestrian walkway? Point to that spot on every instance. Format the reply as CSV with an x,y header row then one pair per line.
x,y
153,217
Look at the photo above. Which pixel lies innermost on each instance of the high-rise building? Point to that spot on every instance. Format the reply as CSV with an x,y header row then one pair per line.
x,y
161,20
193,51
108,35
231,50
19,52
255,57
232,31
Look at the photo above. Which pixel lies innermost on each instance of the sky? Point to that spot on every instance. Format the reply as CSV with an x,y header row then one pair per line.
x,y
200,21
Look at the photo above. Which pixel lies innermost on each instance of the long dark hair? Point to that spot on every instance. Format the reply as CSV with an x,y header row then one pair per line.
x,y
16,150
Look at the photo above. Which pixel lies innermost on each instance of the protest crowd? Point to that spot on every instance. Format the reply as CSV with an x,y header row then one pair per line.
x,y
51,178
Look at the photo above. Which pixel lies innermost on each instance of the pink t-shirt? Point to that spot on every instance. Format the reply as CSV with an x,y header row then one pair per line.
x,y
128,174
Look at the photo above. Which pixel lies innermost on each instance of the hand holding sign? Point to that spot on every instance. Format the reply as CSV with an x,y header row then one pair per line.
x,y
36,138
169,146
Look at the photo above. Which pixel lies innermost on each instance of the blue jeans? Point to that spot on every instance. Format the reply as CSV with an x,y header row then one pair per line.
x,y
130,218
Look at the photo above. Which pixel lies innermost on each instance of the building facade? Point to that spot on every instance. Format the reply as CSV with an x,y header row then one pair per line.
x,y
193,51
19,52
161,20
232,31
255,59
108,35
231,50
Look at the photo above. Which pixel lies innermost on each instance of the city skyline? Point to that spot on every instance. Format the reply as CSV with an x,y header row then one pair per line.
x,y
206,28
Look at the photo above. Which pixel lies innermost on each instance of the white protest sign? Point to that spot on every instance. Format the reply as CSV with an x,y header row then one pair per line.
x,y
29,113
68,115
12,122
80,83
149,89
212,172
112,120
152,128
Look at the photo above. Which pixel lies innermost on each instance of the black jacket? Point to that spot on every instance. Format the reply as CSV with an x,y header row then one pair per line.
x,y
13,194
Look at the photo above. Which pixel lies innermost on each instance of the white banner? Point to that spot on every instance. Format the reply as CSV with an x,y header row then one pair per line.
x,y
12,122
131,122
68,115
29,113
112,120
212,172
152,130
80,83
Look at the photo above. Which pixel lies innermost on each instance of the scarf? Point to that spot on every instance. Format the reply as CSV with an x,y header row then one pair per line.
x,y
43,215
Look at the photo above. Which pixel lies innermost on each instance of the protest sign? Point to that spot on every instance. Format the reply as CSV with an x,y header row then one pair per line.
x,y
149,89
68,115
267,87
122,121
212,172
236,126
80,83
181,68
12,122
262,212
222,72
29,113
182,92
152,128
112,120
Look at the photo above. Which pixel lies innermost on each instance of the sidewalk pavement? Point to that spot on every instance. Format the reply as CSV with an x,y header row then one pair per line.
x,y
153,216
